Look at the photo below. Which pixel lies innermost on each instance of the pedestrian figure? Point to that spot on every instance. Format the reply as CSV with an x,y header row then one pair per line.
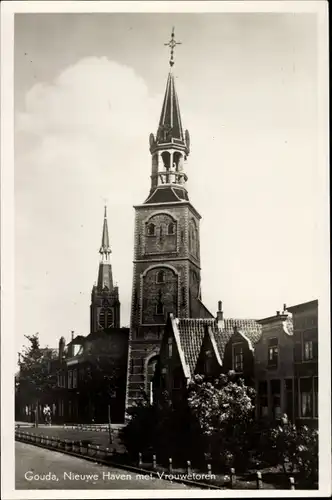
x,y
47,414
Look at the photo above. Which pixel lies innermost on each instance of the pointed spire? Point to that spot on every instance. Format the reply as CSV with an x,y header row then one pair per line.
x,y
170,124
171,146
105,277
105,248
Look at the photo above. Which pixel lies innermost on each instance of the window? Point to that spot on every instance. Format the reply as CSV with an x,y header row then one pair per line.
x,y
160,277
106,318
102,318
159,308
273,352
70,379
289,392
309,346
306,397
109,319
262,397
151,229
316,397
74,379
307,350
171,228
160,305
275,397
61,380
238,358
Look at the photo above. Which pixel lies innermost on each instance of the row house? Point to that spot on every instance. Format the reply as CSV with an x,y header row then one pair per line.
x,y
204,346
305,321
274,367
91,378
276,355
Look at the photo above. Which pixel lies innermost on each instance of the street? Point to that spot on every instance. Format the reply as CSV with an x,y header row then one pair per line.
x,y
38,468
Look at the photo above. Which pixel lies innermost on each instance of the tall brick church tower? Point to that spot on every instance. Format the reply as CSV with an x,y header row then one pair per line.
x,y
167,272
105,304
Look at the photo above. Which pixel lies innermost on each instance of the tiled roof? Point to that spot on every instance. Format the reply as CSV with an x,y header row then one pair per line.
x,y
249,327
192,331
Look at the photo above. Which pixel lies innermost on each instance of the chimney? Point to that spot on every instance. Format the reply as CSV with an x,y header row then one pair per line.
x,y
72,335
285,308
220,316
278,313
62,344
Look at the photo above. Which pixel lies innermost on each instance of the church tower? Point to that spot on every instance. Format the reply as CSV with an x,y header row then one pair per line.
x,y
167,272
105,304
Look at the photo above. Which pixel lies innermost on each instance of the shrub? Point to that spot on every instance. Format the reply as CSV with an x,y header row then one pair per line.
x,y
296,449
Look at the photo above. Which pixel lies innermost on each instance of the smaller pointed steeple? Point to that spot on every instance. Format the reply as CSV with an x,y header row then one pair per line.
x,y
105,278
105,249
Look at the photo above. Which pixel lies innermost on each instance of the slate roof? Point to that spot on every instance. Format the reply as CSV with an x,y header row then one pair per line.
x,y
170,118
167,194
192,332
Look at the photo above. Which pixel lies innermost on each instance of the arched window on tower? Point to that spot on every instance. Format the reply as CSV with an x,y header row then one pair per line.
x,y
160,277
109,319
105,318
102,318
171,228
151,229
166,158
193,238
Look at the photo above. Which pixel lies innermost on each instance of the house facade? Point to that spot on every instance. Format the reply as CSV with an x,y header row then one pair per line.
x,y
305,321
274,367
206,347
91,378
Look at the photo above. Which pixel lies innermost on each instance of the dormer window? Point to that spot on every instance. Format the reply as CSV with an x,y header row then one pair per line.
x,y
151,229
171,228
238,358
160,277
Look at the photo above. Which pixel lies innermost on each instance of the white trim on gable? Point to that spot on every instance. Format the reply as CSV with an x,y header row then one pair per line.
x,y
214,345
176,334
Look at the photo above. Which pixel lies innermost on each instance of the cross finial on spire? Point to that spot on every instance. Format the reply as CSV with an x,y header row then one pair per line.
x,y
172,44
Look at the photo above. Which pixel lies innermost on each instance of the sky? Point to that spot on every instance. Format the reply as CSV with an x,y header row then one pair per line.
x,y
89,91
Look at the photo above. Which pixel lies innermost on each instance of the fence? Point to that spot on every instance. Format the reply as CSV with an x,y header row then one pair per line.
x,y
87,450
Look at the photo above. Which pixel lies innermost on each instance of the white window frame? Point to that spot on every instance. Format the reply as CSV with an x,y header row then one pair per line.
x,y
234,345
300,398
75,379
70,379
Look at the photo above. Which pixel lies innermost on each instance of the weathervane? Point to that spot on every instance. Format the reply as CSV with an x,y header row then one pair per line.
x,y
172,44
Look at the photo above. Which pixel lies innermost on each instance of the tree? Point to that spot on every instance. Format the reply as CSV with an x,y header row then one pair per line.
x,y
224,409
104,376
36,380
